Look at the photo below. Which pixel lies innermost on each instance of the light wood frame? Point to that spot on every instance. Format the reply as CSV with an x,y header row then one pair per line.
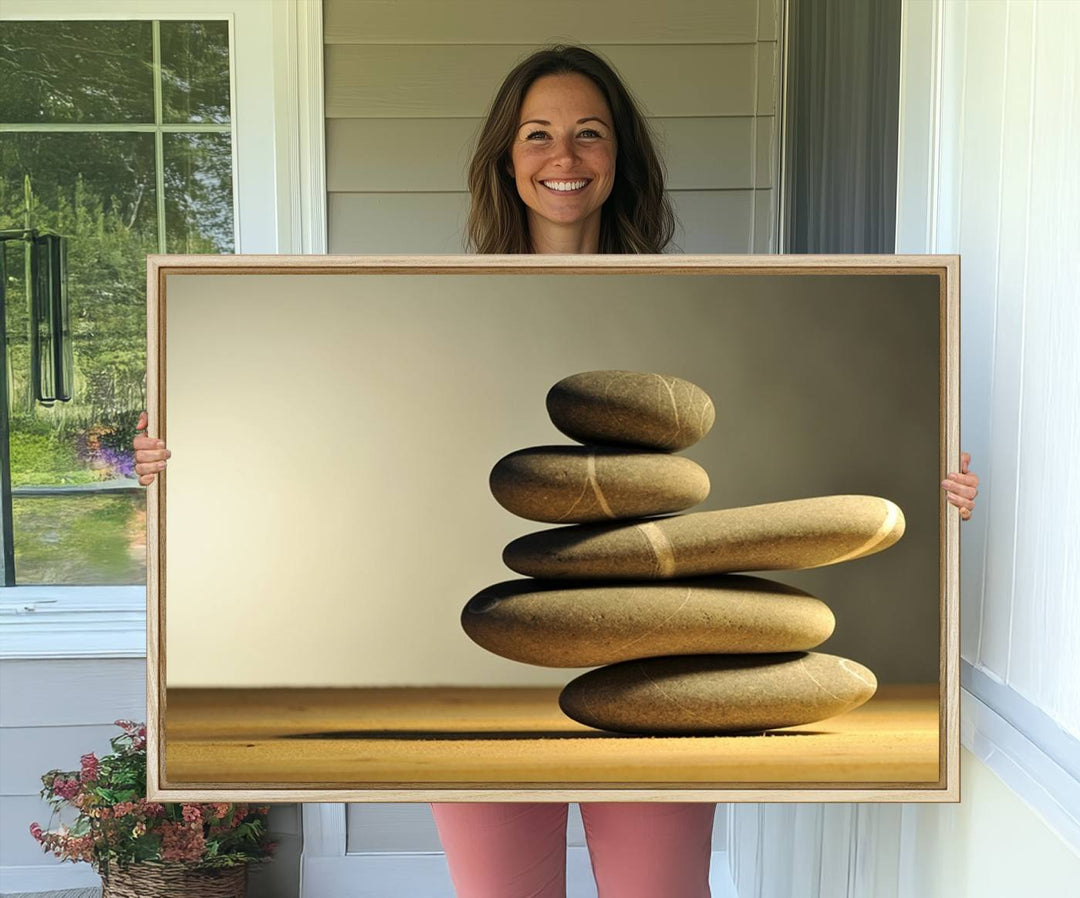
x,y
945,268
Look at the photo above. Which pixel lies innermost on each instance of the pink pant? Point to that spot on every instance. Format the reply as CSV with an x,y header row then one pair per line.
x,y
638,850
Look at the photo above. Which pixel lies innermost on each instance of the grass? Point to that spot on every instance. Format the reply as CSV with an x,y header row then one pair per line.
x,y
84,540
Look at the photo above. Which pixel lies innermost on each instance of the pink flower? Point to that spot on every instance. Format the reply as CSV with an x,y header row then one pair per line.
x,y
89,768
181,842
36,831
65,788
192,814
150,808
123,808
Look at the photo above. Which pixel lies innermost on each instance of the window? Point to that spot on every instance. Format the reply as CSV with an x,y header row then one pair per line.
x,y
116,135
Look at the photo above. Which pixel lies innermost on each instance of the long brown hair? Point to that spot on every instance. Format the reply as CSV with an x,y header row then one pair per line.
x,y
637,216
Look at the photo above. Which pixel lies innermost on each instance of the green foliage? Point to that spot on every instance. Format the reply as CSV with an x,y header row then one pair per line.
x,y
41,458
116,825
106,288
84,539
99,189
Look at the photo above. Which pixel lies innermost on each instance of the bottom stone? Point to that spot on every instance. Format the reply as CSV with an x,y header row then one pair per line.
x,y
713,694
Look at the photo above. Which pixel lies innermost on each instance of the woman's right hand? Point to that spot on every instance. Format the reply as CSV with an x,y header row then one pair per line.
x,y
150,453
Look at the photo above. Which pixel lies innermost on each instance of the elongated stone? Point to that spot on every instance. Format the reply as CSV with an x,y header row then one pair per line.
x,y
571,484
715,694
654,411
563,624
798,534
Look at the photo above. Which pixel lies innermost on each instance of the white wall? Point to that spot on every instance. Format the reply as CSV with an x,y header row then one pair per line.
x,y
989,143
990,845
1009,202
995,177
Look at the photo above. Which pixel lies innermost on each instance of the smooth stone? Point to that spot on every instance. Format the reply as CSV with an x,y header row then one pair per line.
x,y
712,694
654,411
562,625
793,535
573,484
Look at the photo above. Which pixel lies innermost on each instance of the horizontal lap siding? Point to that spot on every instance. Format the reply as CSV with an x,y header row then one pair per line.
x,y
717,221
525,22
460,80
408,84
380,155
51,713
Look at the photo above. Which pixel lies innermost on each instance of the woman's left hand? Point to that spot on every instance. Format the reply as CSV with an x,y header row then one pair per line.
x,y
962,488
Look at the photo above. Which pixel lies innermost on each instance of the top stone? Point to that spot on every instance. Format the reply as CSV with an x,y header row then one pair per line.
x,y
631,408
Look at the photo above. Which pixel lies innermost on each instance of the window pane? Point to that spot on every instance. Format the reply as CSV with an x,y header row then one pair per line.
x,y
195,72
115,170
98,190
198,193
81,540
76,72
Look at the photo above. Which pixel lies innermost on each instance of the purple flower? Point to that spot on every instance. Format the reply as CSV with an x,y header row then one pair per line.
x,y
119,462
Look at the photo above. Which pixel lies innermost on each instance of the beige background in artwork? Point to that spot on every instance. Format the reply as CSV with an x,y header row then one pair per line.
x,y
328,513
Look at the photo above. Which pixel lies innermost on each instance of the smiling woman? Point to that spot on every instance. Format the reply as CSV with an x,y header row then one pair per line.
x,y
563,162
562,117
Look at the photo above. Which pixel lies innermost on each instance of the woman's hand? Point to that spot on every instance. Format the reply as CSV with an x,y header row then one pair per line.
x,y
962,488
150,454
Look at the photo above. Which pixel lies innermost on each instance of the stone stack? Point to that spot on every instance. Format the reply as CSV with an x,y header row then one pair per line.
x,y
687,646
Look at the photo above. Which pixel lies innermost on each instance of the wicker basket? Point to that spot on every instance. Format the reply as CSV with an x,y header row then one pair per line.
x,y
149,880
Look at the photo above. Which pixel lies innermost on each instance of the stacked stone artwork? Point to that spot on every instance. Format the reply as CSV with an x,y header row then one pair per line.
x,y
683,644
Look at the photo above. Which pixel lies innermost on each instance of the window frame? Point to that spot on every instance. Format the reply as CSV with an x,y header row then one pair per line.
x,y
277,139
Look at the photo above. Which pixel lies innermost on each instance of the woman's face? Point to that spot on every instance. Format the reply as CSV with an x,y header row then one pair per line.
x,y
563,154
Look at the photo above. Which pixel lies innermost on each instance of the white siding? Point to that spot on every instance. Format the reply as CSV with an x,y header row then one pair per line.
x,y
52,713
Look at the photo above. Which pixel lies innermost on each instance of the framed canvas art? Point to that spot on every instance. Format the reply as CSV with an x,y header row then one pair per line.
x,y
452,528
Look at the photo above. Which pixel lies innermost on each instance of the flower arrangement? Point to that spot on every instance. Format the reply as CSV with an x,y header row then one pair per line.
x,y
116,825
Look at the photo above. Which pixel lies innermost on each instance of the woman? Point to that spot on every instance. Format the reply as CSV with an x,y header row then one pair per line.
x,y
565,164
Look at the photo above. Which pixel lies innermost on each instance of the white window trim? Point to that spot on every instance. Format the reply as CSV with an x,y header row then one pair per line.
x,y
73,621
280,205
1031,754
